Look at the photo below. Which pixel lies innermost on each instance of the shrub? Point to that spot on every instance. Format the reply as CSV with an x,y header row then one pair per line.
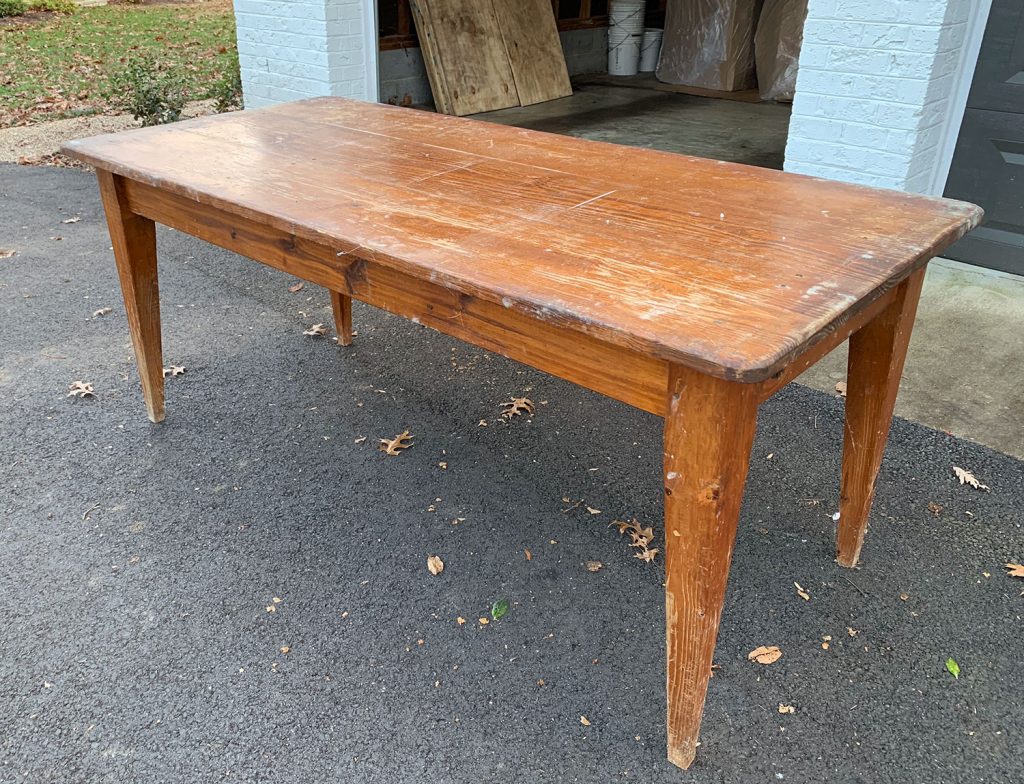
x,y
12,7
227,91
152,94
57,6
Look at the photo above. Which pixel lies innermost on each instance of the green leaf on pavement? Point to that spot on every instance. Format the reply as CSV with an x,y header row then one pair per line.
x,y
953,667
499,608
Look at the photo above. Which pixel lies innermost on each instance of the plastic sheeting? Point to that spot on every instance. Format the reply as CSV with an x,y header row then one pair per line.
x,y
709,44
780,31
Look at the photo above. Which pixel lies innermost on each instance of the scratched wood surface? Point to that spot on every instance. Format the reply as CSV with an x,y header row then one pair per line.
x,y
728,269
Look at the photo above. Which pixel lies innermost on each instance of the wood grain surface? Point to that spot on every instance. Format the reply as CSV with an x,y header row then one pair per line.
x,y
709,430
875,366
729,269
530,35
612,370
133,238
467,63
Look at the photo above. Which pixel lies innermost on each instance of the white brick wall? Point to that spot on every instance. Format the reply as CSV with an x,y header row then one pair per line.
x,y
874,91
291,49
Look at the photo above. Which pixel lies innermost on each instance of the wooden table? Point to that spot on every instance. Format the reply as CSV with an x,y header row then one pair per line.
x,y
690,288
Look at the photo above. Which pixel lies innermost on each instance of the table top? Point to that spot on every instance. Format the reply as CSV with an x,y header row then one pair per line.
x,y
728,268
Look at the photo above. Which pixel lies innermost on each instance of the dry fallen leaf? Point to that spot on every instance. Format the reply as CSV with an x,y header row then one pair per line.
x,y
592,510
517,406
296,287
6,253
271,608
623,527
852,632
81,389
594,566
442,464
786,708
102,312
966,477
394,446
286,649
640,537
802,593
1014,570
841,388
435,565
825,641
934,508
529,555
316,329
484,621
360,439
460,621
173,370
584,721
71,220
765,654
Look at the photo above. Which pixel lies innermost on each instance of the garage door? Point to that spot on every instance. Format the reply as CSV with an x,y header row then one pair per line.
x,y
988,163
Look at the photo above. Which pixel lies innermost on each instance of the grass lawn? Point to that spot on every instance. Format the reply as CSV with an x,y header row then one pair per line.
x,y
61,66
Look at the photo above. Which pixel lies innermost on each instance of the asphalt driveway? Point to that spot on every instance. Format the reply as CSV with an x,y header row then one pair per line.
x,y
138,562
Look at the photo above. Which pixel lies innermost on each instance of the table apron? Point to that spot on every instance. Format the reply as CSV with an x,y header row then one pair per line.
x,y
617,372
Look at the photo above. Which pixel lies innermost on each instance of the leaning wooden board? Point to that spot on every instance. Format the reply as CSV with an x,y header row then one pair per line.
x,y
690,288
483,55
466,61
534,49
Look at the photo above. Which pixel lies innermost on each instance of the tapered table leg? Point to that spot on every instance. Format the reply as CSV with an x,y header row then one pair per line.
x,y
877,353
134,240
342,304
709,430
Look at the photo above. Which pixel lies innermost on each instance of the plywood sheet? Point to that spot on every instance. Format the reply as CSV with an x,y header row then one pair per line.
x,y
534,49
467,63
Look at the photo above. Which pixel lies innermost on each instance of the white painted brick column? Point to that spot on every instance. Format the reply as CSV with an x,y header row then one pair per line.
x,y
875,92
292,49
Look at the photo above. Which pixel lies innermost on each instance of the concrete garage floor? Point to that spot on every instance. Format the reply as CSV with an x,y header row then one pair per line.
x,y
965,368
753,133
136,561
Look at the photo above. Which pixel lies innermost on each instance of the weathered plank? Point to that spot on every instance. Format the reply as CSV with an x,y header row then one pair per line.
x,y
468,67
530,35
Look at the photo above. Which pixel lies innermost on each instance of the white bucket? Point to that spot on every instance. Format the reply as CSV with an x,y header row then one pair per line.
x,y
624,58
650,48
625,34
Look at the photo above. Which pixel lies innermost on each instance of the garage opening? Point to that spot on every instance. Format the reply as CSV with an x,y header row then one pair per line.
x,y
713,78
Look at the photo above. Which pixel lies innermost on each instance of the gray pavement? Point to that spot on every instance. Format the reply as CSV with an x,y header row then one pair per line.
x,y
137,561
